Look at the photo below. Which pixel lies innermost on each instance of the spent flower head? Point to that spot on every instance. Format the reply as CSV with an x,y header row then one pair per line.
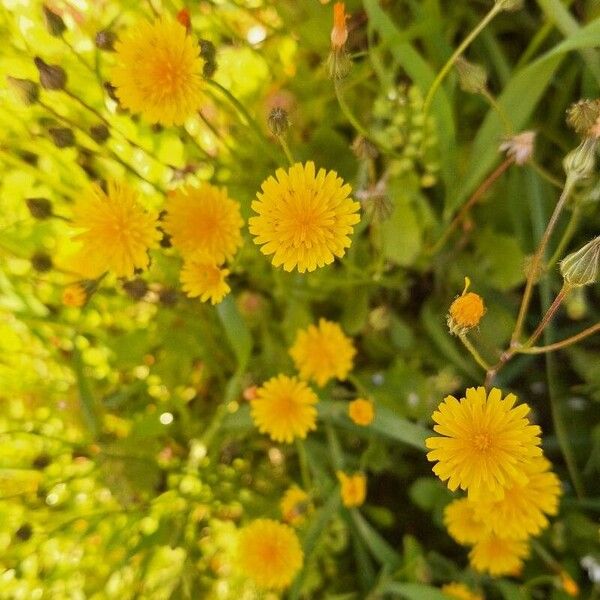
x,y
582,115
519,147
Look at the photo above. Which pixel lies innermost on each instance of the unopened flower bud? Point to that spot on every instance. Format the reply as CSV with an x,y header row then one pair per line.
x,y
509,5
580,162
168,297
63,137
25,90
111,90
582,116
339,33
39,208
52,77
278,121
466,311
105,40
54,23
472,78
41,262
136,288
581,267
99,133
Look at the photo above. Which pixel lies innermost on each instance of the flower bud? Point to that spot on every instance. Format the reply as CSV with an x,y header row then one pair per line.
x,y
339,33
510,5
105,40
25,90
580,162
63,137
581,267
54,23
582,116
41,262
52,77
208,53
39,208
99,133
465,312
278,121
111,90
136,288
472,78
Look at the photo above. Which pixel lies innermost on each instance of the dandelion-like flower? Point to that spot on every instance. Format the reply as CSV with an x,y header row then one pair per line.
x,y
322,352
304,218
204,222
353,488
74,295
269,553
466,311
284,408
523,509
204,279
116,232
361,411
459,591
295,505
499,556
158,71
484,443
464,523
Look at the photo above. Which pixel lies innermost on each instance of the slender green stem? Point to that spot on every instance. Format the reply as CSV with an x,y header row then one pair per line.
x,y
337,86
360,388
286,149
462,47
537,260
508,126
474,352
564,292
557,183
567,236
303,460
562,344
78,56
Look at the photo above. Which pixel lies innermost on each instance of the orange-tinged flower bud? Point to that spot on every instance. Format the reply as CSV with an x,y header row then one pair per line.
x,y
183,16
339,33
466,311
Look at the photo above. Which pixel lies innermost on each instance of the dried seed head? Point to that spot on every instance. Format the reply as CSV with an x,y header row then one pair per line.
x,y
519,147
581,267
52,77
582,116
105,40
278,121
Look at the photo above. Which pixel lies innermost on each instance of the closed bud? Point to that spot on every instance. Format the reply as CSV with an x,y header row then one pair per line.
x,y
278,121
582,116
581,267
63,137
110,89
41,262
25,90
472,78
99,133
105,40
509,5
39,208
168,297
136,288
208,53
54,23
52,77
579,164
339,64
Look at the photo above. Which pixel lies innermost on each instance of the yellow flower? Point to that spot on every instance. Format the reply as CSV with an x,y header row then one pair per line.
x,y
294,505
74,295
116,231
269,553
304,219
203,278
463,523
459,591
361,411
323,352
499,556
354,488
204,222
523,509
158,71
485,442
466,311
284,408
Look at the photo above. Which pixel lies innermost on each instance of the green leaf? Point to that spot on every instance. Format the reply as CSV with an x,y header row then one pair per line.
x,y
413,591
236,331
511,591
86,398
402,236
501,259
379,548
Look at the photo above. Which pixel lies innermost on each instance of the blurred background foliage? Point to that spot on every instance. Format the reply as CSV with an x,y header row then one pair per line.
x,y
128,458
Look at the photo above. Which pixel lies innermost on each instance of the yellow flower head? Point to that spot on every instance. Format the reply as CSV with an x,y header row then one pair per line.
x,y
499,556
459,591
284,408
361,411
484,442
204,222
116,232
322,352
523,509
354,488
463,522
204,279
158,71
295,505
269,553
466,311
74,295
304,218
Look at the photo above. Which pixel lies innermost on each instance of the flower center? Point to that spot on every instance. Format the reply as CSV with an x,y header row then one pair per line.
x,y
482,442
